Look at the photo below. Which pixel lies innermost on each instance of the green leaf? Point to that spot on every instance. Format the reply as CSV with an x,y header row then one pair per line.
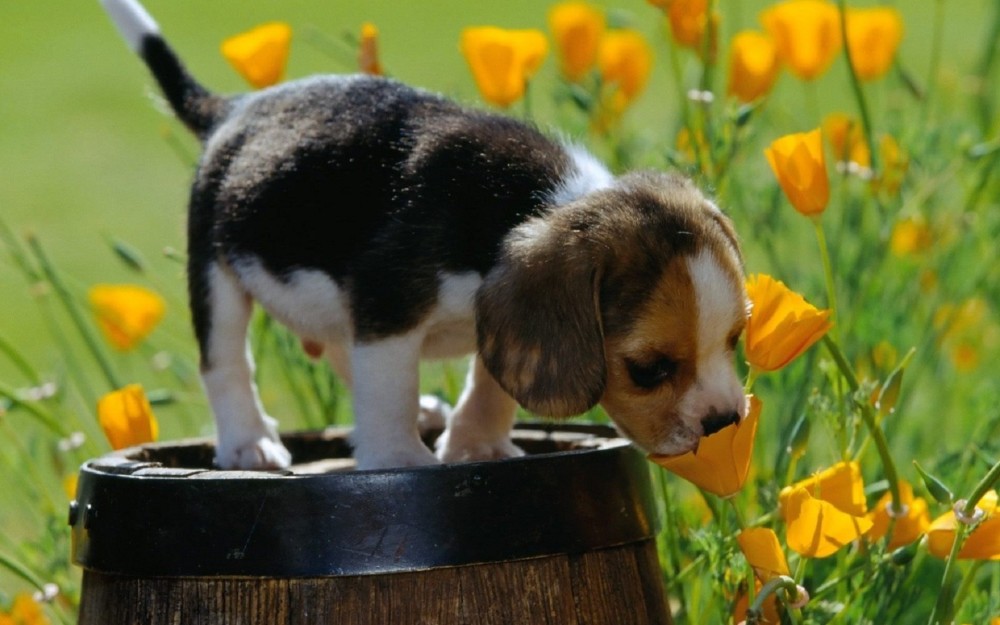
x,y
935,487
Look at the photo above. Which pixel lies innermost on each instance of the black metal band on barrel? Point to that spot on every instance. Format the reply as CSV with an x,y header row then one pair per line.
x,y
137,516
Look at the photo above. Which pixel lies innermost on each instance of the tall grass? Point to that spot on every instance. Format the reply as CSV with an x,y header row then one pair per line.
x,y
909,267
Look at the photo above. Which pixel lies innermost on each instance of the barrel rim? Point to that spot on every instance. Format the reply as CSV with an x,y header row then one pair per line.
x,y
130,521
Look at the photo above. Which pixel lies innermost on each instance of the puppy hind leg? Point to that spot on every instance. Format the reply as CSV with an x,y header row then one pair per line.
x,y
247,437
479,427
386,379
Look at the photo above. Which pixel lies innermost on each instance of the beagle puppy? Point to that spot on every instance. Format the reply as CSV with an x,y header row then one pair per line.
x,y
384,224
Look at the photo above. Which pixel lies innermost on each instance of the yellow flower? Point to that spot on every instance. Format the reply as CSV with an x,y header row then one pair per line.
x,y
69,486
763,551
816,528
24,611
576,28
753,65
825,511
127,418
798,162
688,21
368,62
910,236
894,163
502,61
625,59
909,527
722,460
983,543
807,34
846,139
126,313
873,35
965,357
782,325
840,485
260,54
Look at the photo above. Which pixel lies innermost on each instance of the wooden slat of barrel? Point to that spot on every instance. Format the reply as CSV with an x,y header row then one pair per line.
x,y
612,586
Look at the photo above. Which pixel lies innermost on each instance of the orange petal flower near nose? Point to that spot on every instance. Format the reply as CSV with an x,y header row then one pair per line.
x,y
873,36
577,29
722,461
125,313
782,324
127,418
753,65
502,61
807,33
625,59
983,543
763,552
368,61
797,161
260,54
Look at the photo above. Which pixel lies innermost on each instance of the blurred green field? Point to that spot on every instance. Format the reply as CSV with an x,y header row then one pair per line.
x,y
88,156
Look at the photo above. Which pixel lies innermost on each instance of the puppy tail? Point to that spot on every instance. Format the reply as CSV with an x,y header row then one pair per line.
x,y
195,106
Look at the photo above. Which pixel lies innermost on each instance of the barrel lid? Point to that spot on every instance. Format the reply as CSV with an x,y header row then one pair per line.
x,y
161,510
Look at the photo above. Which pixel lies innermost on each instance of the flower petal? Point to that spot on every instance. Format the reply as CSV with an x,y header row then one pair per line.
x,y
817,529
127,418
260,54
763,551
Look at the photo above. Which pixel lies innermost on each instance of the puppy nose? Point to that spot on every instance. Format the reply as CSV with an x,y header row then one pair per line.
x,y
715,421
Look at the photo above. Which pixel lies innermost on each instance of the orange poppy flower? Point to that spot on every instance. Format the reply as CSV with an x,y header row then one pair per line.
x,y
846,139
983,543
260,54
502,61
577,28
797,161
24,611
910,236
368,61
625,60
807,34
127,418
763,552
126,313
782,325
722,461
825,511
753,65
909,526
873,36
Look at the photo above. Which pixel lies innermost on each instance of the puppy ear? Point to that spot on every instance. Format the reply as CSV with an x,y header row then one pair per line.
x,y
538,319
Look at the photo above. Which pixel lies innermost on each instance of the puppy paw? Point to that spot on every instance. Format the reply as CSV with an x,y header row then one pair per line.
x,y
434,413
451,448
261,454
394,457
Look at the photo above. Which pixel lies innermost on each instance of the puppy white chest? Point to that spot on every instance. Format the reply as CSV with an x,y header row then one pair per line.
x,y
450,328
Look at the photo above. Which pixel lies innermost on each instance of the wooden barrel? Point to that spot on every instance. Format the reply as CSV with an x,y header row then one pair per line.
x,y
564,535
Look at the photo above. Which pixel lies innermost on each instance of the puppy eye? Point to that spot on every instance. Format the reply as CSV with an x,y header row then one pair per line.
x,y
733,341
652,374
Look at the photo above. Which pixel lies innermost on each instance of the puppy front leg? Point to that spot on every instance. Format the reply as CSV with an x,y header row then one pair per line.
x,y
386,402
479,428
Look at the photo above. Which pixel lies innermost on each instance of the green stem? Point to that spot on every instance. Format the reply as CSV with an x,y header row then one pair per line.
x,y
21,571
965,586
937,32
43,417
984,485
944,609
868,415
769,588
74,314
831,287
859,94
